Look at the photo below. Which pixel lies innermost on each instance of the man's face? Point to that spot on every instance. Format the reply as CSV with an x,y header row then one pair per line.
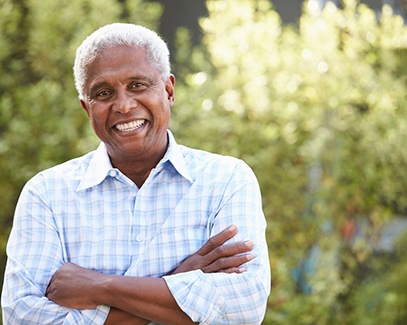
x,y
128,104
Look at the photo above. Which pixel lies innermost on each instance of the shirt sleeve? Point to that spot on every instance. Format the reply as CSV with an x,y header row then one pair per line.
x,y
221,298
34,254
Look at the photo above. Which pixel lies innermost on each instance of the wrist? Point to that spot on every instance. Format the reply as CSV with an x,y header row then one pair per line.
x,y
102,289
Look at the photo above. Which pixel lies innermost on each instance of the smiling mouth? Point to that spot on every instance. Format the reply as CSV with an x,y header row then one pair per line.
x,y
131,126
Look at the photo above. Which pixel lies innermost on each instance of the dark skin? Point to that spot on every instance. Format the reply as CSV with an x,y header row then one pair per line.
x,y
123,88
141,300
128,104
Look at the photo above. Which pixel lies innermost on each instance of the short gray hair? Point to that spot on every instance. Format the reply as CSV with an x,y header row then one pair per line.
x,y
120,34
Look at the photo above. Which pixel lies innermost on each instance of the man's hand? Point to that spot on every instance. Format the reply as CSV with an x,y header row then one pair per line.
x,y
215,257
73,286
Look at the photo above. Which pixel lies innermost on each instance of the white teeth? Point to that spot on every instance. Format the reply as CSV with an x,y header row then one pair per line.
x,y
130,126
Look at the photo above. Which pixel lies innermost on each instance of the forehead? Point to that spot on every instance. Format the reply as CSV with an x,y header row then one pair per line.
x,y
119,61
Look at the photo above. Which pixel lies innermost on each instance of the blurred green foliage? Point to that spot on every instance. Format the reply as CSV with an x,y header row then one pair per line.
x,y
318,110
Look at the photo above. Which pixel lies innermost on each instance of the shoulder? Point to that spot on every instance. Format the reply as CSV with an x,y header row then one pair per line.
x,y
69,173
202,162
201,158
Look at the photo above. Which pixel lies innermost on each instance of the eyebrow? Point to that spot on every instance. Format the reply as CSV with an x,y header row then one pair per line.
x,y
97,85
142,78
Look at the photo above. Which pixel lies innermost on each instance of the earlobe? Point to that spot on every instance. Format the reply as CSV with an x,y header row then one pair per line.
x,y
170,89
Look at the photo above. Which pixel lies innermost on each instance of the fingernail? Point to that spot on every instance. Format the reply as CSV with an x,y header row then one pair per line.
x,y
242,269
232,228
249,256
249,244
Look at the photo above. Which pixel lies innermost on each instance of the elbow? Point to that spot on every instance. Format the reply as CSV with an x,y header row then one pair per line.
x,y
259,303
253,303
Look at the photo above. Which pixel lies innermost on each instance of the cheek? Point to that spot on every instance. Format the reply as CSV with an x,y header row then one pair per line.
x,y
97,114
166,114
97,121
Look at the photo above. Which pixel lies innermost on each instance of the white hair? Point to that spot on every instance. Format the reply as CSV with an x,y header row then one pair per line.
x,y
120,34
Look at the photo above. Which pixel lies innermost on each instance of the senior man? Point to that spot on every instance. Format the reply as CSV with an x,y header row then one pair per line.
x,y
142,229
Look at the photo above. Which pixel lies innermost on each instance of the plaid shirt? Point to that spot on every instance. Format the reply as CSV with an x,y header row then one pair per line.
x,y
87,212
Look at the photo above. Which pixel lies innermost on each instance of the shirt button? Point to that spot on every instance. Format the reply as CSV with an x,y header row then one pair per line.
x,y
113,173
140,237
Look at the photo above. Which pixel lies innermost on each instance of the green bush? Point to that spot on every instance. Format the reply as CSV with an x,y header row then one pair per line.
x,y
318,110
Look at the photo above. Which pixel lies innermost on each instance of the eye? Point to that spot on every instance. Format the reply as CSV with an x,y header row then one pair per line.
x,y
138,86
103,93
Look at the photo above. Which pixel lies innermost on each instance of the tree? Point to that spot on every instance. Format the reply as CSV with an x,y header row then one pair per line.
x,y
318,111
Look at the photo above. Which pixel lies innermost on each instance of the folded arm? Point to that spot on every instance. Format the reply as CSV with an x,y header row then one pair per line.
x,y
138,300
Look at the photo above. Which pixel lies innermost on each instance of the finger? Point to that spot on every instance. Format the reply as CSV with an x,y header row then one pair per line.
x,y
217,240
229,250
234,270
226,263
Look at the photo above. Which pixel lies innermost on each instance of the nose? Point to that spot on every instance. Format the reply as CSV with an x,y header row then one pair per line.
x,y
124,102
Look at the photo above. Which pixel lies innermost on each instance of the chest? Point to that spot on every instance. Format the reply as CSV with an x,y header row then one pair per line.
x,y
118,230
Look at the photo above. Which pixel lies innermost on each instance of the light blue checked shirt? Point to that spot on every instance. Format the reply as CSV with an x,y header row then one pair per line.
x,y
87,212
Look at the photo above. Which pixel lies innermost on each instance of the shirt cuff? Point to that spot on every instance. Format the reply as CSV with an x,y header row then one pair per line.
x,y
197,297
97,315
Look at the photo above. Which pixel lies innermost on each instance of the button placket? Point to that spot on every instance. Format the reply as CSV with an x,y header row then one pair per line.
x,y
140,222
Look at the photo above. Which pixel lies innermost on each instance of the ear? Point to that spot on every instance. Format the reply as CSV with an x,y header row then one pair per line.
x,y
170,89
85,107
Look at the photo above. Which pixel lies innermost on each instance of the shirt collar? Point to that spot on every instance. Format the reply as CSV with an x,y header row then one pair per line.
x,y
100,165
98,168
175,156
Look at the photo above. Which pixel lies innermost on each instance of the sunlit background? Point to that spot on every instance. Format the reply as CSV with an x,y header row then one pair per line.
x,y
311,94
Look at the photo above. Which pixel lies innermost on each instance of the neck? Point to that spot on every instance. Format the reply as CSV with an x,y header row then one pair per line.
x,y
138,169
